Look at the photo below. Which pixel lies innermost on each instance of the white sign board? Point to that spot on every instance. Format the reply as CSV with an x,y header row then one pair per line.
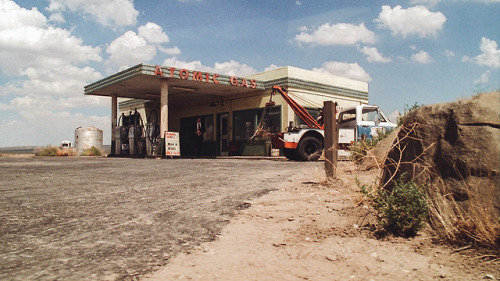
x,y
172,144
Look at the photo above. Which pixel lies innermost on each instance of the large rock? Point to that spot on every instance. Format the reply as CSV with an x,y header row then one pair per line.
x,y
453,150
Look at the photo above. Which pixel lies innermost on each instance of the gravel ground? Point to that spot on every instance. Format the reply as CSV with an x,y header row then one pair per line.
x,y
74,218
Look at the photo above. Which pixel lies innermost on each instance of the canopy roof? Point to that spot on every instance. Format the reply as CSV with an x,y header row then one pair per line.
x,y
143,82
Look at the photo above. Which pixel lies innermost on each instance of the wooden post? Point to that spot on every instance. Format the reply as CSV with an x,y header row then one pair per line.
x,y
331,138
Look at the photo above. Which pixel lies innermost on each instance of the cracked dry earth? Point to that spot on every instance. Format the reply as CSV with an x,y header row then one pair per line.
x,y
310,229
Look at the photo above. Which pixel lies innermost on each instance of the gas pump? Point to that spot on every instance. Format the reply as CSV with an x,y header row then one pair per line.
x,y
130,135
153,137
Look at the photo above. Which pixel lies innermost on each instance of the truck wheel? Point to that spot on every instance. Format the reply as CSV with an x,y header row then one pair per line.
x,y
290,154
309,149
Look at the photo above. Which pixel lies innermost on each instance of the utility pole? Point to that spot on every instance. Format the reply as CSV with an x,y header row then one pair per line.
x,y
331,137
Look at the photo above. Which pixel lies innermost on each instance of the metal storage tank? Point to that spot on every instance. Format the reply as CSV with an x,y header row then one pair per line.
x,y
86,137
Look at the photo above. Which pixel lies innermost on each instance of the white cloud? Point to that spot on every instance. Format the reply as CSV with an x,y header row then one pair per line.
x,y
47,120
174,51
271,67
107,13
336,34
485,78
43,57
228,68
421,57
26,40
127,50
57,17
46,127
133,48
415,20
153,33
343,69
233,68
449,53
46,77
372,55
490,54
394,116
14,17
298,3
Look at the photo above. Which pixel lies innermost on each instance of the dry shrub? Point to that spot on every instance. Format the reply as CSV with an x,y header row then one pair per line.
x,y
47,151
66,151
55,151
92,151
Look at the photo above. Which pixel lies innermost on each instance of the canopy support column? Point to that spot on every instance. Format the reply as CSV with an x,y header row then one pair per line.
x,y
114,116
163,113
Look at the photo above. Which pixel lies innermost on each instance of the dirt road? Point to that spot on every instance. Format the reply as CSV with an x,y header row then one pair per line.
x,y
122,219
114,219
307,230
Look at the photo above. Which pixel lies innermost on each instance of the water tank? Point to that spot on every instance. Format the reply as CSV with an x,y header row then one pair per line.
x,y
86,137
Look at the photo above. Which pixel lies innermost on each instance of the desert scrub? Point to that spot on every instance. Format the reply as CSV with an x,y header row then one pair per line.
x,y
360,149
47,151
407,110
401,211
93,151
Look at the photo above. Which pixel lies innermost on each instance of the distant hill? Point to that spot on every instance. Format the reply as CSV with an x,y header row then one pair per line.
x,y
19,149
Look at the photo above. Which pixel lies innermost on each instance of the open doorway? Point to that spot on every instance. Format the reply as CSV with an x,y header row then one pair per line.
x,y
223,133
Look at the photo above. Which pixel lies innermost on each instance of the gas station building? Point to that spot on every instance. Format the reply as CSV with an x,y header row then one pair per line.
x,y
157,99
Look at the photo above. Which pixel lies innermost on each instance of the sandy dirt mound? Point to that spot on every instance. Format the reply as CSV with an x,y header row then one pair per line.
x,y
453,150
313,230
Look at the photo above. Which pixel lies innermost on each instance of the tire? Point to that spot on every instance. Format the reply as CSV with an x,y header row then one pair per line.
x,y
290,154
309,149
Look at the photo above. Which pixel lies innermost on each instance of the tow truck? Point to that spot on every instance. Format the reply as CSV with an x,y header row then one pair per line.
x,y
306,142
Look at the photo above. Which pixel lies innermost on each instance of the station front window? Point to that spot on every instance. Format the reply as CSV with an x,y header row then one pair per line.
x,y
245,122
314,113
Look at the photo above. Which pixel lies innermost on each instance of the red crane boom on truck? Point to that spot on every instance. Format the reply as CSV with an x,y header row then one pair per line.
x,y
305,143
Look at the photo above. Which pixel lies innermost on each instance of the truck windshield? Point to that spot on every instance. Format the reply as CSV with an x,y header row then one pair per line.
x,y
372,114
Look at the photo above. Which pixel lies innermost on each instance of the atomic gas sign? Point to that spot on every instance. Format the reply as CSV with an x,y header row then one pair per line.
x,y
205,77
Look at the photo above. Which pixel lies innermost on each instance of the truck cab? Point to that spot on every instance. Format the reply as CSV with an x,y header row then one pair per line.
x,y
362,122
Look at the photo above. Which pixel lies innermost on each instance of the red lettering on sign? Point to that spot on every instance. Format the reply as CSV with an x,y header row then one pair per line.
x,y
244,83
254,84
215,80
184,74
233,81
205,77
158,70
197,75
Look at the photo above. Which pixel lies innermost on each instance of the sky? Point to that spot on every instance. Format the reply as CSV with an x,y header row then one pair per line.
x,y
414,51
